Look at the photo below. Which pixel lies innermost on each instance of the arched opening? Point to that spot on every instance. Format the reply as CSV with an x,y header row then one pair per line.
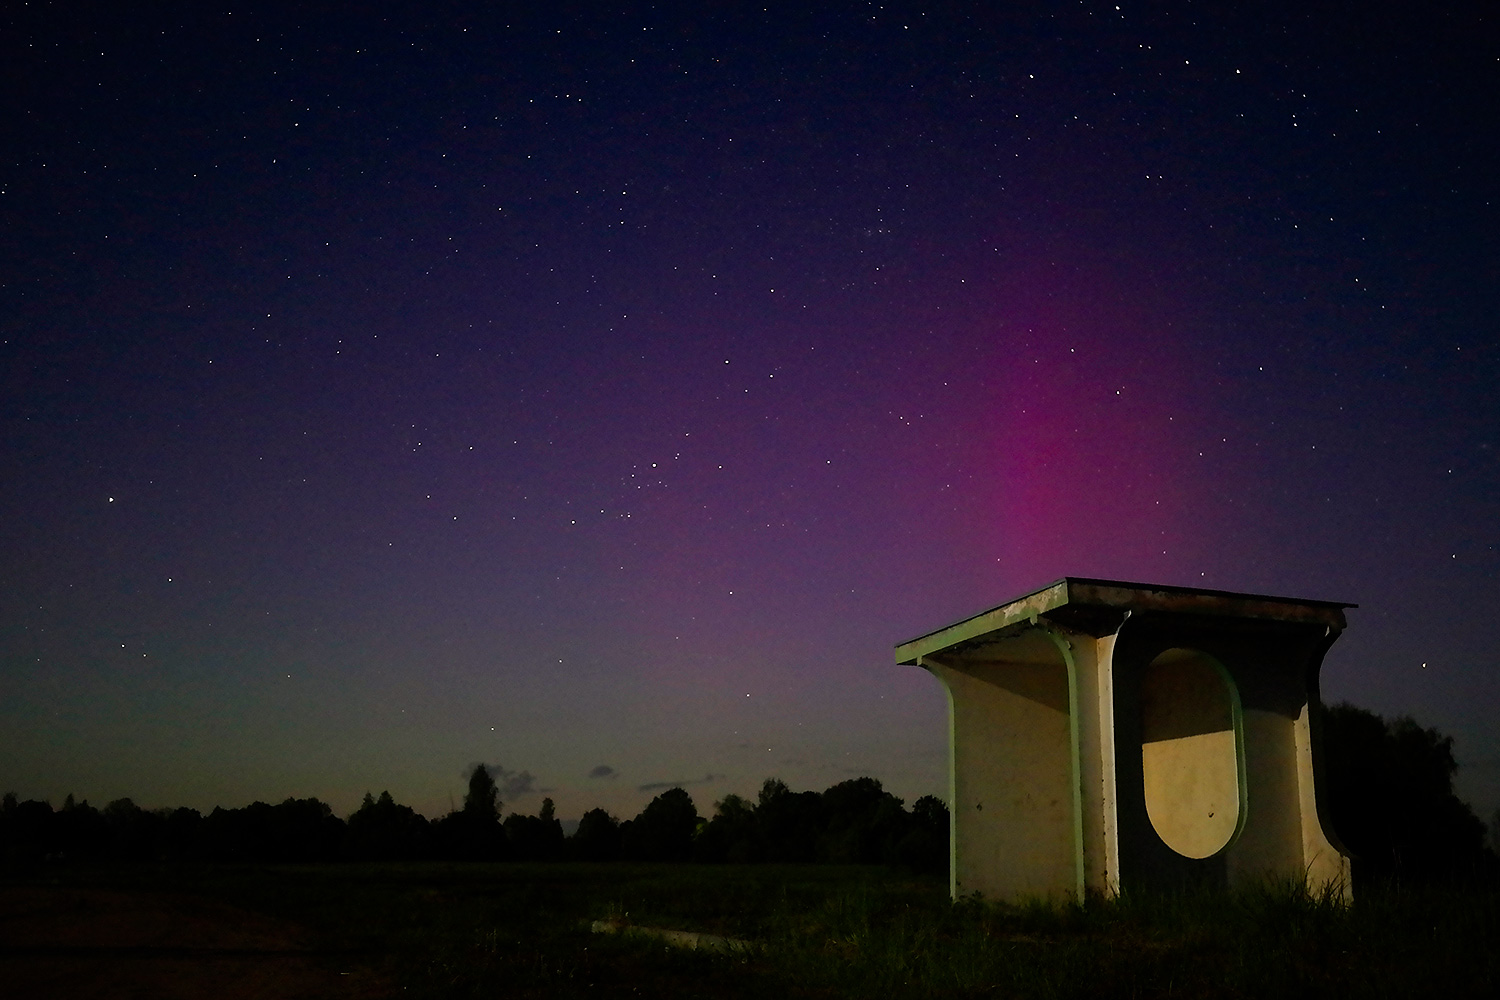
x,y
1191,752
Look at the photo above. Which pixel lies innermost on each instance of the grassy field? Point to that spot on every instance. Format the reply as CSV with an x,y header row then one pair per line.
x,y
434,930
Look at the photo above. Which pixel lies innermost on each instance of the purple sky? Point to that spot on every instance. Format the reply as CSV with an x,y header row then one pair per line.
x,y
608,392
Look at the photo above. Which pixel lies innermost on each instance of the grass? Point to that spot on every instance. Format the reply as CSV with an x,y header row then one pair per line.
x,y
438,930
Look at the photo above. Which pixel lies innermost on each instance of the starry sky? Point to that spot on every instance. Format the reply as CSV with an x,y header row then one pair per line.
x,y
600,392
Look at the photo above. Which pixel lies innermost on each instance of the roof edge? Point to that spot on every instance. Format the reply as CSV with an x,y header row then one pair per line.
x,y
1094,592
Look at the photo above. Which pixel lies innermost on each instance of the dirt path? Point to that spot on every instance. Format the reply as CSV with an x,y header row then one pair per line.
x,y
107,945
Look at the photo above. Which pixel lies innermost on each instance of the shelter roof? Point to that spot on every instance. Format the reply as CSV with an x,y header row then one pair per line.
x,y
1099,606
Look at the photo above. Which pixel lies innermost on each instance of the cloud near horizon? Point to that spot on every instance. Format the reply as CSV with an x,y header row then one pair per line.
x,y
656,786
512,784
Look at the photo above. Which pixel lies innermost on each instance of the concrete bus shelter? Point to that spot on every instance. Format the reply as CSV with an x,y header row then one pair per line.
x,y
1105,736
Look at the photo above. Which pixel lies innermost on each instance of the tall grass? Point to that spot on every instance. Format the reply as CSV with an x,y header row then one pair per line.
x,y
1274,941
480,930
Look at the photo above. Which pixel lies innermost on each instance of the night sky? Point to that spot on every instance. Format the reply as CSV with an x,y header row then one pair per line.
x,y
601,393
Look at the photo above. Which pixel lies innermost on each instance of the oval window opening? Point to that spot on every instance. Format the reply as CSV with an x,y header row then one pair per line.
x,y
1189,752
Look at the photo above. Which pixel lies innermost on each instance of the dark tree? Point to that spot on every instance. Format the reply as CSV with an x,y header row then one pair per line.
x,y
133,832
297,830
229,834
550,830
863,823
482,802
1389,794
305,830
80,831
535,838
664,830
731,835
925,844
790,824
474,833
181,835
381,830
597,837
27,829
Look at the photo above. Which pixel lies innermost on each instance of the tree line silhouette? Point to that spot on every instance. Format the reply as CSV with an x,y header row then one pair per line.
x,y
854,821
1387,786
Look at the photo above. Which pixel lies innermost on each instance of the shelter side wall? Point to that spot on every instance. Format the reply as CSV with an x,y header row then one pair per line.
x,y
1324,864
1012,764
1270,843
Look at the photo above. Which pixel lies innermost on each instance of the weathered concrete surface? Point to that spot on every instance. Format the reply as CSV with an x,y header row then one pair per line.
x,y
1012,775
689,940
1106,735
